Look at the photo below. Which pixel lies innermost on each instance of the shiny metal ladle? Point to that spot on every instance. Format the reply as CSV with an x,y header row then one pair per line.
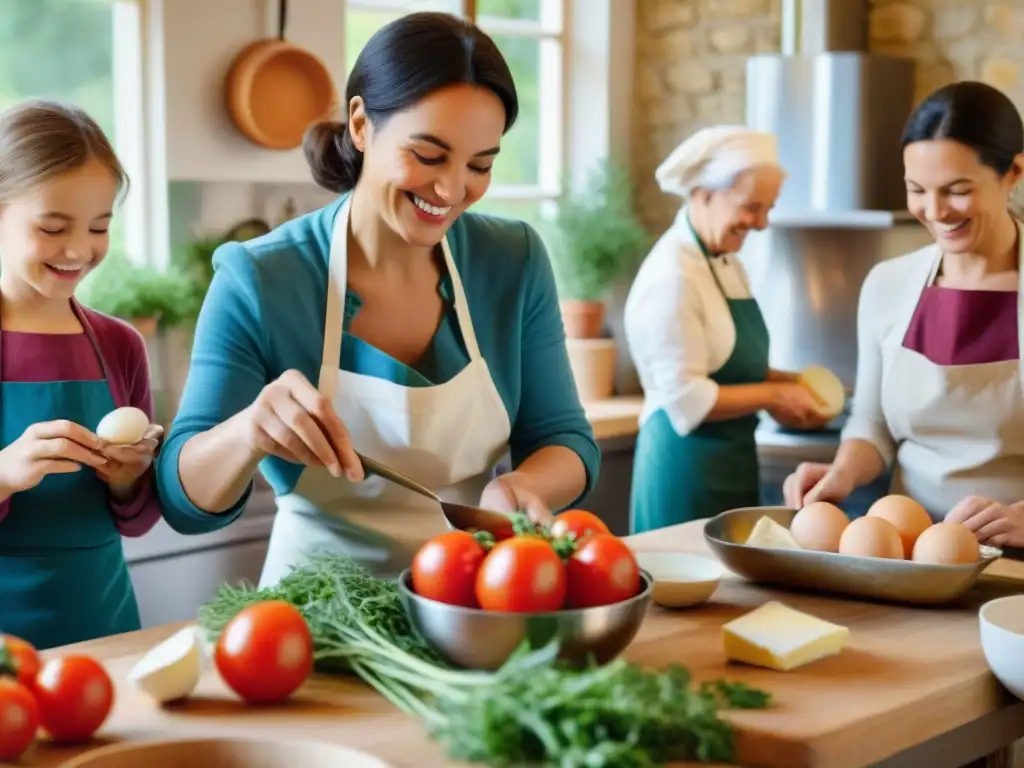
x,y
460,516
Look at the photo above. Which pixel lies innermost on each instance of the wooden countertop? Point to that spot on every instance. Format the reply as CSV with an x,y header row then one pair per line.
x,y
908,676
614,417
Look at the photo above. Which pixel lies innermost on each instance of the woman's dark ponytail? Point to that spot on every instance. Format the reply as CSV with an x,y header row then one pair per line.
x,y
403,62
332,156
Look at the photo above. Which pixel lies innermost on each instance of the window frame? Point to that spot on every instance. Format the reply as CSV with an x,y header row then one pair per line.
x,y
131,139
131,142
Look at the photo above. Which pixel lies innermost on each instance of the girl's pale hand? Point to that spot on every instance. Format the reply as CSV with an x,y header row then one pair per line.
x,y
47,448
127,463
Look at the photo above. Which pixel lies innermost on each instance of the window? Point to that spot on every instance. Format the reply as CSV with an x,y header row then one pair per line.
x,y
530,34
68,50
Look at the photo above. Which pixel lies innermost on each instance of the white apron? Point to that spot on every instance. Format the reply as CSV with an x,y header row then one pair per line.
x,y
448,437
959,428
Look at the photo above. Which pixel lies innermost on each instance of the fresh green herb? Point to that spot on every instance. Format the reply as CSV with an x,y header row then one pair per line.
x,y
534,710
486,539
564,546
618,715
339,598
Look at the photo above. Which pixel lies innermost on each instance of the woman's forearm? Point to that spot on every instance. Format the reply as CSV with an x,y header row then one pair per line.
x,y
555,474
225,448
735,400
858,462
775,375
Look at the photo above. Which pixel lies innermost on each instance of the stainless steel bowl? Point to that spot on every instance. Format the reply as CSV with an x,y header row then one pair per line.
x,y
478,639
900,581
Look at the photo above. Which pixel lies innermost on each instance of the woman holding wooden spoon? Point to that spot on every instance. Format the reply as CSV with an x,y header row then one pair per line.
x,y
391,321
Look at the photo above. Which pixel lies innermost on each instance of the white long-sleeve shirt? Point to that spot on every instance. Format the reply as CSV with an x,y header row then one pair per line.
x,y
678,326
946,431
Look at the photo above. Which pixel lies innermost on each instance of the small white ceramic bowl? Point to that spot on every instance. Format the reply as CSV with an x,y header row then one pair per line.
x,y
681,579
1002,640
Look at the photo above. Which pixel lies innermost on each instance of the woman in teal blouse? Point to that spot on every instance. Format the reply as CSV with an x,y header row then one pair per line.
x,y
391,322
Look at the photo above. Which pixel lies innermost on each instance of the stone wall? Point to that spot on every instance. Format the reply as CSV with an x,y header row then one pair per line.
x,y
691,57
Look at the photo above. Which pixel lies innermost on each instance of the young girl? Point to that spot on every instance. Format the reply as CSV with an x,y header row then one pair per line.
x,y
66,498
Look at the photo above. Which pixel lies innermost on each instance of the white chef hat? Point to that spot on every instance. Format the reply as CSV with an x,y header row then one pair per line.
x,y
713,157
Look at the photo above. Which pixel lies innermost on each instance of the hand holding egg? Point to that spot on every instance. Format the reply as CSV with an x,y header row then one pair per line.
x,y
123,426
130,443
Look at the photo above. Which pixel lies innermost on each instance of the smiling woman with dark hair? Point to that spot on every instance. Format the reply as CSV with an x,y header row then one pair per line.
x,y
938,391
390,322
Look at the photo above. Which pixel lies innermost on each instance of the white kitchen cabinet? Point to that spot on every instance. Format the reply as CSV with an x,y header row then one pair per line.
x,y
189,47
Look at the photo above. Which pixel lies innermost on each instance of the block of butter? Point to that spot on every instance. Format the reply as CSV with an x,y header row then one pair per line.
x,y
769,534
779,637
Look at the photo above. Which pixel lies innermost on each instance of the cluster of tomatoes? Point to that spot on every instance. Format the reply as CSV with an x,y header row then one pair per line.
x,y
575,563
69,697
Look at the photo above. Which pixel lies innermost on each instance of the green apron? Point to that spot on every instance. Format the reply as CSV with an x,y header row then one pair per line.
x,y
62,566
678,478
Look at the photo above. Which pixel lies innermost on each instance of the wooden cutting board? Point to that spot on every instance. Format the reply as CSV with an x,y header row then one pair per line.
x,y
1003,571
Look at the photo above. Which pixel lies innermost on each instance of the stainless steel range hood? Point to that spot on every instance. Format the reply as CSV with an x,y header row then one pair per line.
x,y
838,113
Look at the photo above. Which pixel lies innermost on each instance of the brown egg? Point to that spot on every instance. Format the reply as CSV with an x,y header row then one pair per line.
x,y
909,518
947,544
819,526
871,537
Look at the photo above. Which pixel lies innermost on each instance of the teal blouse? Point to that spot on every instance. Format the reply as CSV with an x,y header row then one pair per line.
x,y
264,314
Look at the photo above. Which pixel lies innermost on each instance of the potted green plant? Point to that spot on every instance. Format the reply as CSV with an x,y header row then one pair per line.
x,y
596,237
147,298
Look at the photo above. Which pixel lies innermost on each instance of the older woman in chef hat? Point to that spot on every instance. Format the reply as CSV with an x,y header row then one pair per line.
x,y
698,340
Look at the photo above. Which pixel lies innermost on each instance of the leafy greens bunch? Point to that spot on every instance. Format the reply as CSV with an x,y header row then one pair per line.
x,y
534,710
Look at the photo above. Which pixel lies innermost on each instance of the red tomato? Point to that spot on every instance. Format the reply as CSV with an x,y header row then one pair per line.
x,y
445,568
521,575
579,522
602,571
75,695
21,657
265,652
19,719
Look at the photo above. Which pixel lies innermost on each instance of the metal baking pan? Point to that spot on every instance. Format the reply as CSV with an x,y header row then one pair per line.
x,y
900,581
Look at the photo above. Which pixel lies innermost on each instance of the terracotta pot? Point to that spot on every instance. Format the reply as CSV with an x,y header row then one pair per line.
x,y
593,367
583,319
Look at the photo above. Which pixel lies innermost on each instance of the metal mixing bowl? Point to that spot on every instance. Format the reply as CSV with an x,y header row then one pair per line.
x,y
478,639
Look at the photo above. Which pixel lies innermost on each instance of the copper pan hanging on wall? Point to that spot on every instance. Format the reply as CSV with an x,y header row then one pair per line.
x,y
275,90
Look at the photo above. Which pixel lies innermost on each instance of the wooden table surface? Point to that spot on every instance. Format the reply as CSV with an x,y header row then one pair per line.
x,y
908,677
